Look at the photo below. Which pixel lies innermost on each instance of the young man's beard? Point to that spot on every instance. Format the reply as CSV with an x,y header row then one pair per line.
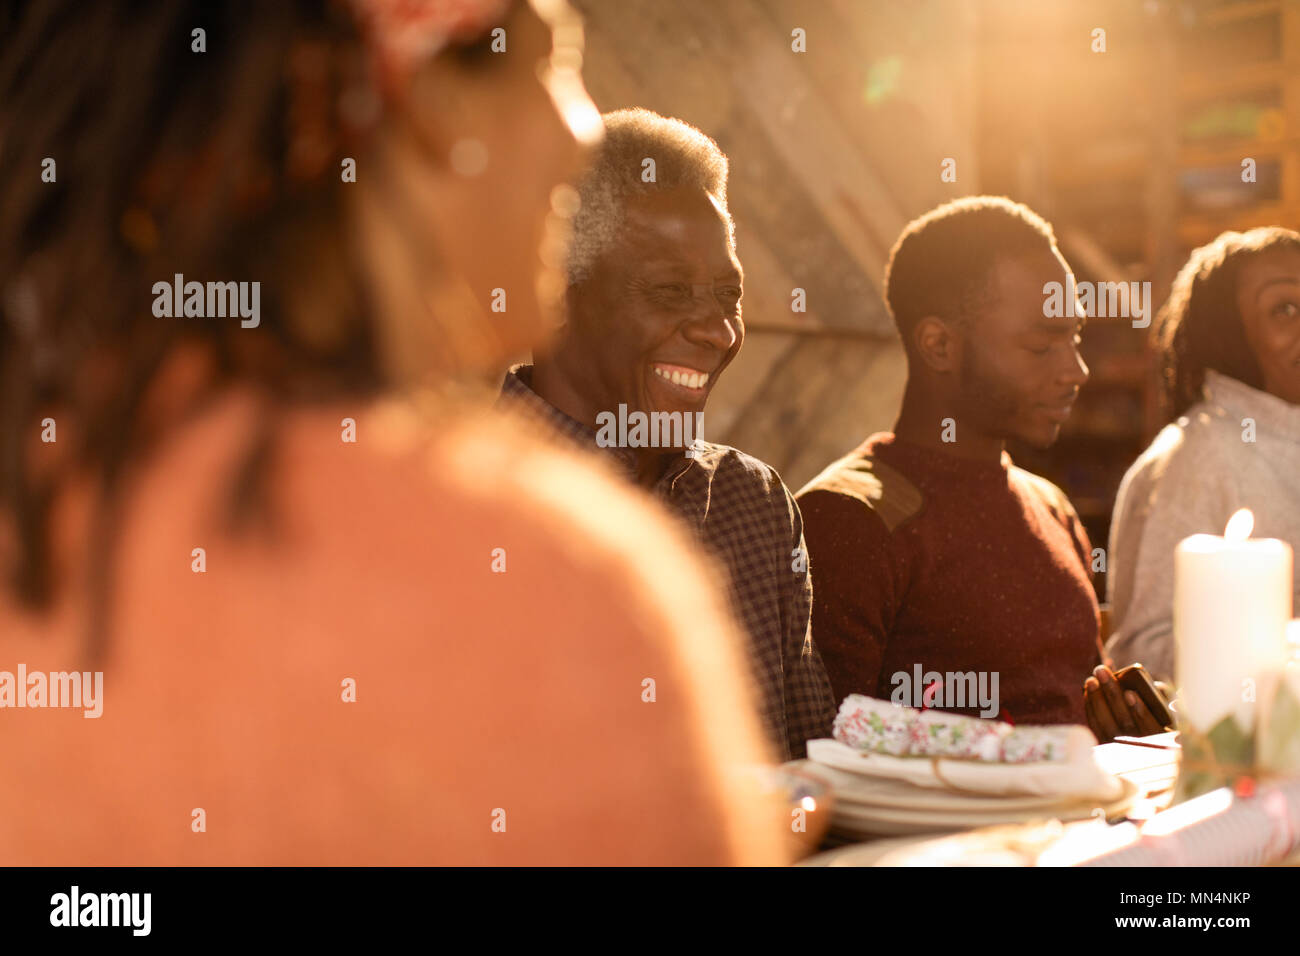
x,y
987,401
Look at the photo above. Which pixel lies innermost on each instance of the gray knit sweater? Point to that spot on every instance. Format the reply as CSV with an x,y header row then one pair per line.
x,y
1196,473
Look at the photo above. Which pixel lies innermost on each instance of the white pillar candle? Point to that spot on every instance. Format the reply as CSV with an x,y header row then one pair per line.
x,y
1232,602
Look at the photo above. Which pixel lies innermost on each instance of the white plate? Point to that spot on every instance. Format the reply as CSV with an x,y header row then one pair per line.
x,y
858,790
864,821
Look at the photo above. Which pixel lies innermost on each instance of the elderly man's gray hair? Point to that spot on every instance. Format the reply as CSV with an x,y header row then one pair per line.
x,y
683,156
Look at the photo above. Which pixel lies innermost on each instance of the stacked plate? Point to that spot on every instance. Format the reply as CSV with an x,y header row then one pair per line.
x,y
867,805
1014,845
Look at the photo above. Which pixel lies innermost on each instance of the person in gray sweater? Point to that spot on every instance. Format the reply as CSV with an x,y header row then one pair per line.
x,y
1230,342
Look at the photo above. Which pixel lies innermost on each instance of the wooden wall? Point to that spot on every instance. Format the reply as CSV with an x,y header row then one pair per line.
x,y
1133,153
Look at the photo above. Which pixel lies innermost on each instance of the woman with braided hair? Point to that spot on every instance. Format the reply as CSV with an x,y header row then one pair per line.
x,y
331,611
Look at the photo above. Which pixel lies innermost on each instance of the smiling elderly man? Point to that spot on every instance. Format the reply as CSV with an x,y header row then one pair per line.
x,y
653,317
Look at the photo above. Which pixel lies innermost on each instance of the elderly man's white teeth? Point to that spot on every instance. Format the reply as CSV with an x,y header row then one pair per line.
x,y
686,380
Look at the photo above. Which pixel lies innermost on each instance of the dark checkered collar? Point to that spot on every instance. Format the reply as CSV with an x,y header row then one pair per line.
x,y
517,392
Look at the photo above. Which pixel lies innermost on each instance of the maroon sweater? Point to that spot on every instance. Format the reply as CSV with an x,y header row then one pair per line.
x,y
922,558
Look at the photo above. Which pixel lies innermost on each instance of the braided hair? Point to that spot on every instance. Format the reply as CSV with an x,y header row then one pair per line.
x,y
165,160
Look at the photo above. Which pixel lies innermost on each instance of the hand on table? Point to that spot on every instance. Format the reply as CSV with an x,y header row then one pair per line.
x,y
1114,711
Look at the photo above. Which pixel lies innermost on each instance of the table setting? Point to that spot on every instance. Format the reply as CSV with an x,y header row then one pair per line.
x,y
901,786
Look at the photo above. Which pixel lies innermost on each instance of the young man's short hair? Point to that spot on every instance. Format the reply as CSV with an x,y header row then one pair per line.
x,y
942,264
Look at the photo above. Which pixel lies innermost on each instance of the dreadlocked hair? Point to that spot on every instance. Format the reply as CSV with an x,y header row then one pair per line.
x,y
166,160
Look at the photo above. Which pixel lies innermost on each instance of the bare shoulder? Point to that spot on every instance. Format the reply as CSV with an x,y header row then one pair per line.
x,y
416,605
470,506
375,485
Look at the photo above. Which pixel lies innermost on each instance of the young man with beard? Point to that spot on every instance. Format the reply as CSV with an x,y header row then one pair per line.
x,y
653,318
929,549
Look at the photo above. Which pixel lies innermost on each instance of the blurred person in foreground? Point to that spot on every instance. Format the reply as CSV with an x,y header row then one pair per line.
x,y
930,550
342,617
653,317
1229,339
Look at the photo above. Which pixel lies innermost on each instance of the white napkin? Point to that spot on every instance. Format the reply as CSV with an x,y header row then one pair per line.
x,y
1077,776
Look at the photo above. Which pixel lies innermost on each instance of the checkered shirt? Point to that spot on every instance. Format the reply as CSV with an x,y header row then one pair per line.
x,y
744,515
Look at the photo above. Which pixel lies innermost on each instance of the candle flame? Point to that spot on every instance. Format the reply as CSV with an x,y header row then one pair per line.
x,y
1240,525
